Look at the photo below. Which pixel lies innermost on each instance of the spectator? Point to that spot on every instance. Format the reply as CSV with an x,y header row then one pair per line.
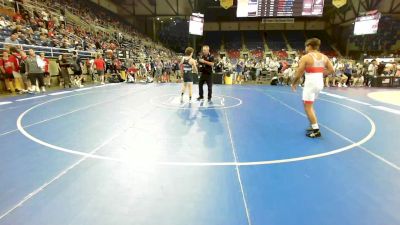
x,y
372,69
47,77
18,81
341,78
358,78
132,71
77,69
13,39
398,69
22,67
100,66
7,67
34,66
348,70
64,64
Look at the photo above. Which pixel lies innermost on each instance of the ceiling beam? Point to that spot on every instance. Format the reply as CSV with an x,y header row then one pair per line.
x,y
354,9
363,5
191,4
170,5
395,7
146,7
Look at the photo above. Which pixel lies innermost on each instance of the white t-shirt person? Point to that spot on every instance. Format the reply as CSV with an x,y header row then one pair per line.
x,y
372,69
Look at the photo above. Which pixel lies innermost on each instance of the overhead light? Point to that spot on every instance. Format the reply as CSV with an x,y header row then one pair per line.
x,y
158,18
171,18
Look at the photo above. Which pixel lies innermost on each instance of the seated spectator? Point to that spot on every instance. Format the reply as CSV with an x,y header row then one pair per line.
x,y
358,78
13,39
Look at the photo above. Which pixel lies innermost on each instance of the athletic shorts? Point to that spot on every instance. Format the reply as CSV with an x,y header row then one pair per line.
x,y
312,87
100,72
8,76
188,77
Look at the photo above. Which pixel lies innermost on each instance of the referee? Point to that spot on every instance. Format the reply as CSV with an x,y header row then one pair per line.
x,y
206,63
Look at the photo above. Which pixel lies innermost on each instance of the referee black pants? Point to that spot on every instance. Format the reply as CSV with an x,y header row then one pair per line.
x,y
205,78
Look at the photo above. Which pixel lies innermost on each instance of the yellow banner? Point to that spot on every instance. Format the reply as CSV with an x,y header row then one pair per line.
x,y
226,4
339,3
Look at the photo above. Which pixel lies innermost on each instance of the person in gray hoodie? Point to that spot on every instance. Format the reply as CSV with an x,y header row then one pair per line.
x,y
34,67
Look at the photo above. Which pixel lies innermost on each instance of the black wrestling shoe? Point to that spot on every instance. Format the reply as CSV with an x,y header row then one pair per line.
x,y
200,98
308,130
314,134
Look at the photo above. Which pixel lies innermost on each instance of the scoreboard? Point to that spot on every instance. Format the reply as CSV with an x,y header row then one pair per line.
x,y
279,8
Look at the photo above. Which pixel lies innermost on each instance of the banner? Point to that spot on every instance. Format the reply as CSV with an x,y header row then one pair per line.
x,y
339,3
226,4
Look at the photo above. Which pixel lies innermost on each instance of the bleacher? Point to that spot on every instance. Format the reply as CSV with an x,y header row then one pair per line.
x,y
275,40
233,40
296,39
175,35
104,28
253,40
213,39
323,36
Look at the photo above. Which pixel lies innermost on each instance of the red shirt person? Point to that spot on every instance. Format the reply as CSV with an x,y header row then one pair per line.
x,y
100,67
100,64
7,65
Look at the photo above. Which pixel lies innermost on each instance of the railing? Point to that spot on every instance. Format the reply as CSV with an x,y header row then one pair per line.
x,y
49,51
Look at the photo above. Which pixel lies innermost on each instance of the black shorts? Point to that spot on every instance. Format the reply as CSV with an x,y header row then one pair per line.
x,y
188,77
8,76
78,73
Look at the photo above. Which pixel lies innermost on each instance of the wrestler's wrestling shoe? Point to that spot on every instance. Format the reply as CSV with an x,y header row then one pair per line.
x,y
314,134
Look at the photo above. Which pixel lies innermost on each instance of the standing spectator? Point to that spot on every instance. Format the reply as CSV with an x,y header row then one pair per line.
x,y
153,67
64,64
239,71
372,68
7,68
34,66
159,68
167,71
90,69
258,67
348,70
340,77
100,66
77,69
22,70
15,58
143,70
47,77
